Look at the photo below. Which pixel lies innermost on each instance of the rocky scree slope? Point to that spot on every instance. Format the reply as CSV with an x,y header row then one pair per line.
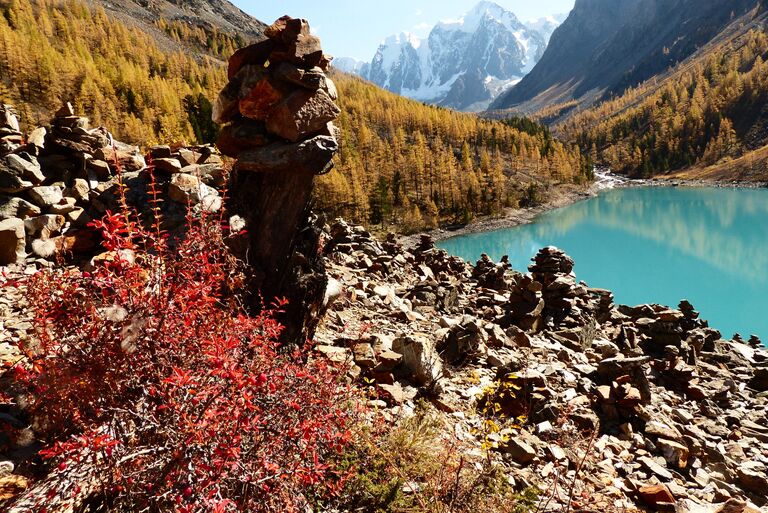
x,y
640,407
219,15
58,178
463,64
606,46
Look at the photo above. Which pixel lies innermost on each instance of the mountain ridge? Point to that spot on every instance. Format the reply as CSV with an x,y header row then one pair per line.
x,y
604,47
464,63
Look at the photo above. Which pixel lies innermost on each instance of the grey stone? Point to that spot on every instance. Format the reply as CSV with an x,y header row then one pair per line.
x,y
46,196
420,359
16,207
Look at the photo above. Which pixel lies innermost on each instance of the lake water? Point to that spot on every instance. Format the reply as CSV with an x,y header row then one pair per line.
x,y
656,245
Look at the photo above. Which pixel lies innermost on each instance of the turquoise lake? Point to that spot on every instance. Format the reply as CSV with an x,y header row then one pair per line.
x,y
656,245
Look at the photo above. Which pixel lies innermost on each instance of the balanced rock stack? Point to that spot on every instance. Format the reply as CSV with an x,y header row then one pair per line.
x,y
278,108
10,134
59,177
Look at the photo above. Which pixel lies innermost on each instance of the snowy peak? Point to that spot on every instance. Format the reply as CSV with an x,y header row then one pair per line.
x,y
464,63
546,26
349,65
481,14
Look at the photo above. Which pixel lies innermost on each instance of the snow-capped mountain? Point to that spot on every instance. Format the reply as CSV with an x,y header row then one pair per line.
x,y
546,26
463,64
351,65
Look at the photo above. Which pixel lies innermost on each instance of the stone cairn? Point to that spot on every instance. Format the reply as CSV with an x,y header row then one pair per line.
x,y
550,295
278,109
55,180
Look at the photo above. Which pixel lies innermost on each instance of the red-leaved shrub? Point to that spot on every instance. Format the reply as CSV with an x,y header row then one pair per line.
x,y
148,371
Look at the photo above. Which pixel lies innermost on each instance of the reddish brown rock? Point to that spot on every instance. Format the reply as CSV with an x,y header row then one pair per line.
x,y
258,98
655,495
242,136
255,54
307,157
302,114
287,29
325,62
11,241
310,79
305,51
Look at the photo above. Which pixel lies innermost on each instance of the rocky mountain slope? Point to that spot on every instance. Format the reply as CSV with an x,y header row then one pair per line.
x,y
606,46
705,118
463,64
209,15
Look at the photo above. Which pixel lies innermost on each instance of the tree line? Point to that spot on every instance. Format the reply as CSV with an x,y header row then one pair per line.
x,y
705,112
402,164
415,166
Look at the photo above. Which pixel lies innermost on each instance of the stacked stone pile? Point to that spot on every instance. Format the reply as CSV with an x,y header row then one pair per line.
x,y
678,413
279,105
59,178
278,111
490,275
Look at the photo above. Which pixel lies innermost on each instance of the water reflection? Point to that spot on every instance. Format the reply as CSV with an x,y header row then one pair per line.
x,y
657,244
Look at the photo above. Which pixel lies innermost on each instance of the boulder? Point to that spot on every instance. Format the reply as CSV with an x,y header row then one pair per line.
x,y
11,207
519,450
655,495
66,205
37,137
419,359
675,453
301,114
11,180
294,42
8,118
238,137
312,79
162,151
44,227
46,196
12,241
759,380
100,168
187,157
168,165
27,167
80,191
753,476
188,188
258,93
304,157
255,54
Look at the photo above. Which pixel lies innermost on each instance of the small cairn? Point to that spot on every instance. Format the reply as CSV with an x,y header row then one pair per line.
x,y
526,304
490,275
10,132
278,110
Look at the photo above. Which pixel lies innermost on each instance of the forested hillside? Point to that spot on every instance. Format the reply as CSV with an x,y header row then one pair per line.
x,y
415,165
402,162
52,51
706,112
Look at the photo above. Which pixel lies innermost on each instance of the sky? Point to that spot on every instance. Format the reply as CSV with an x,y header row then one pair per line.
x,y
354,28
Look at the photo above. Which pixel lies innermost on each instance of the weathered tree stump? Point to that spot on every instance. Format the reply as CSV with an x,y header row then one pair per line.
x,y
279,106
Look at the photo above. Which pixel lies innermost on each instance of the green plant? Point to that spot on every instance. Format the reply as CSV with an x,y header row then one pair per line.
x,y
415,467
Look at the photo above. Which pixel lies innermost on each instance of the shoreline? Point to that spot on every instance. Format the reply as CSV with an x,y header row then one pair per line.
x,y
566,195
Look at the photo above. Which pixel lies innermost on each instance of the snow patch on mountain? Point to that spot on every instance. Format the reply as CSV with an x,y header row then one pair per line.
x,y
464,63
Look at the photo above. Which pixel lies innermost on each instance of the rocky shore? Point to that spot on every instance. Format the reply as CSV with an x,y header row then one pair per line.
x,y
625,408
559,197
564,195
